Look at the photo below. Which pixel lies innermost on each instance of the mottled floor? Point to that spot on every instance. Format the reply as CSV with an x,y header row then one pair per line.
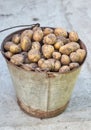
x,y
72,15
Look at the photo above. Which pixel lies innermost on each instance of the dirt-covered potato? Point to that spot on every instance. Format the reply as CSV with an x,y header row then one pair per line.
x,y
38,35
29,67
15,49
56,55
47,31
68,48
73,36
60,32
40,62
17,59
8,54
16,38
57,65
25,43
28,33
74,57
49,39
34,55
65,60
58,44
7,45
63,39
47,50
82,54
36,45
46,65
64,69
73,65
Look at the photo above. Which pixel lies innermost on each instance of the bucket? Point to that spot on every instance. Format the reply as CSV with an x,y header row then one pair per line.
x,y
42,94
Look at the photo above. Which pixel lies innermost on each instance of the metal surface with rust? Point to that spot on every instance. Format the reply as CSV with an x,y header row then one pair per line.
x,y
42,91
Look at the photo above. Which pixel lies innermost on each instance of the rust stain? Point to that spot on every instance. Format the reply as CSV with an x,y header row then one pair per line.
x,y
41,114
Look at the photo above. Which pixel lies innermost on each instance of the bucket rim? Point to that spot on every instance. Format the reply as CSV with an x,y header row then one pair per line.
x,y
18,67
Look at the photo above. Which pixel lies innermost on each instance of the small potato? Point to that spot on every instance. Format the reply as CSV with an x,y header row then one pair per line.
x,y
46,65
7,45
57,65
56,55
49,39
15,49
29,67
47,50
8,54
64,69
73,65
74,57
68,48
40,62
16,38
65,60
47,31
63,39
60,32
38,35
58,44
36,45
27,33
34,55
25,43
82,54
17,59
73,36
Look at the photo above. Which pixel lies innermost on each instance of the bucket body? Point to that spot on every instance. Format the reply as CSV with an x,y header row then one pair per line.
x,y
42,94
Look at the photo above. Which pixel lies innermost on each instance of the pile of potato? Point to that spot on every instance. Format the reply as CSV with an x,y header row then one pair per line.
x,y
45,49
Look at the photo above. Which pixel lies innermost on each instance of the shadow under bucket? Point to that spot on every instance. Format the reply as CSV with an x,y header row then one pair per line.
x,y
42,94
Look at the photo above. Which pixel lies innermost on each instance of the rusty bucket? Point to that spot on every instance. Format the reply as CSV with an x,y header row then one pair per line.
x,y
42,94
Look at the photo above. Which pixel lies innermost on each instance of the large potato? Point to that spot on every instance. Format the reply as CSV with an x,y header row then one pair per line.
x,y
28,33
74,57
65,60
68,48
49,39
47,50
25,43
73,36
17,59
60,32
34,55
38,35
82,54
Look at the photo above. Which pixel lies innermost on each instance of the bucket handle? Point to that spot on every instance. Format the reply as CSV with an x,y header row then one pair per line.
x,y
31,25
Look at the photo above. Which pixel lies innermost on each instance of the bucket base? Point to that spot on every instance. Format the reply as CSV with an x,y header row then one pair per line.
x,y
41,114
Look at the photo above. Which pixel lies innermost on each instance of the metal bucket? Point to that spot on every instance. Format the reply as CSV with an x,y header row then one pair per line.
x,y
42,94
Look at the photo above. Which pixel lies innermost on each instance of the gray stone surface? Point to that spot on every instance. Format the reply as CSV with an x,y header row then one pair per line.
x,y
72,15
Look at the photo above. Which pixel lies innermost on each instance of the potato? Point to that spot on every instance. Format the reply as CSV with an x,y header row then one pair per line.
x,y
36,45
40,62
49,39
7,45
73,36
36,28
25,43
62,39
8,54
64,69
16,38
28,33
47,31
15,49
46,65
17,59
68,48
47,50
52,61
73,65
60,32
56,55
29,67
58,44
65,60
34,55
74,57
57,65
38,35
82,54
